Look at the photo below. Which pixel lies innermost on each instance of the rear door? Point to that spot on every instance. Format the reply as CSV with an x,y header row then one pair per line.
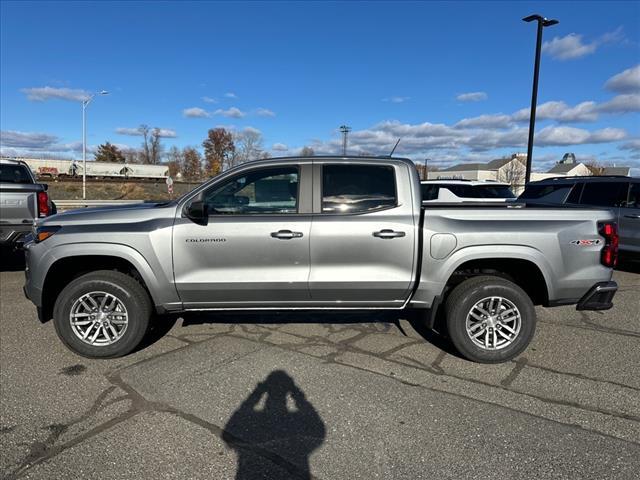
x,y
362,234
629,221
254,251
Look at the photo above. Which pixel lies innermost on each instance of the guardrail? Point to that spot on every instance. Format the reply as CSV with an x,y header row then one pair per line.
x,y
75,204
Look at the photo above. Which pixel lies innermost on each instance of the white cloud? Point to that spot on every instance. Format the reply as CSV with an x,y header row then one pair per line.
x,y
396,99
626,81
135,132
631,145
195,112
569,47
41,94
485,121
12,138
572,46
621,104
265,112
279,147
472,97
252,130
232,112
230,95
560,111
209,100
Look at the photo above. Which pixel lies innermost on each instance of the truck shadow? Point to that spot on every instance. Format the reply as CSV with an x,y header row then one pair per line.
x,y
274,431
379,321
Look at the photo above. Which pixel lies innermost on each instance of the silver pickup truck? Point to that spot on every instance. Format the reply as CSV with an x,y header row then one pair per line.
x,y
318,233
22,201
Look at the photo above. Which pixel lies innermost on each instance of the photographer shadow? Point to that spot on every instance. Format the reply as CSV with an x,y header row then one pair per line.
x,y
274,431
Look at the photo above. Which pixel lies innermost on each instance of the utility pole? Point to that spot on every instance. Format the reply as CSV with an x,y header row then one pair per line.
x,y
85,104
542,22
345,134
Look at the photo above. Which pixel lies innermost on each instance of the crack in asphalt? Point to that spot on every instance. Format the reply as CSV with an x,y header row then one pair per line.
x,y
41,451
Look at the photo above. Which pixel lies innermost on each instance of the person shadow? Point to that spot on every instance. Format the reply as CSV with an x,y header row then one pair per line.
x,y
274,431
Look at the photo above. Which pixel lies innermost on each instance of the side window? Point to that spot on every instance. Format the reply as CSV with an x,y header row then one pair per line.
x,y
604,194
430,192
357,188
634,196
264,191
546,193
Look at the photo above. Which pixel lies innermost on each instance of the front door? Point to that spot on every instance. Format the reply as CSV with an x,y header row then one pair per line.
x,y
254,250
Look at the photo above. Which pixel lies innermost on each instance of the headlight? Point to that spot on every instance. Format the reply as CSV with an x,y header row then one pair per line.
x,y
42,233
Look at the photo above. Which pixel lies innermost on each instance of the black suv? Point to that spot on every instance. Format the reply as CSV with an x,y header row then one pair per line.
x,y
620,194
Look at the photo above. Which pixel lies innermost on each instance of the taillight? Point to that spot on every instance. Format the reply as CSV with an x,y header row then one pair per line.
x,y
43,204
609,254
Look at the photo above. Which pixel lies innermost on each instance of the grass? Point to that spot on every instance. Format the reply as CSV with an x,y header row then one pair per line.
x,y
129,190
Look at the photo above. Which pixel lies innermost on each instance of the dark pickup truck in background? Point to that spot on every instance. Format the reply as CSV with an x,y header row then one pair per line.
x,y
22,202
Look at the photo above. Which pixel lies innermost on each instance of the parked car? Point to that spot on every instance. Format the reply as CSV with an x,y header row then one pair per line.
x,y
619,193
318,233
22,201
465,191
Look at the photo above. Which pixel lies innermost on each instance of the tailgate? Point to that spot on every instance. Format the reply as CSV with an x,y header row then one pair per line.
x,y
18,203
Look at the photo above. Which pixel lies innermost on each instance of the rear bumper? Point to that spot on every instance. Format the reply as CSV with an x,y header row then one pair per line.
x,y
599,297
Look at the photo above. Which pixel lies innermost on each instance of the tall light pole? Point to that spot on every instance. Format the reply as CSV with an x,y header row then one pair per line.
x,y
542,22
345,133
85,103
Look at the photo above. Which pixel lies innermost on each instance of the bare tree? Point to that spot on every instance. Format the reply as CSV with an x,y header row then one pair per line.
x,y
307,152
175,161
132,155
249,146
155,147
594,167
146,151
513,173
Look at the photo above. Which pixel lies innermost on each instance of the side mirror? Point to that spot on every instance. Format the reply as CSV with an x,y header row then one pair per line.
x,y
197,211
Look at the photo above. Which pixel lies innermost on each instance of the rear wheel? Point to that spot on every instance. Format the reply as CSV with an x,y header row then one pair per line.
x,y
490,319
102,314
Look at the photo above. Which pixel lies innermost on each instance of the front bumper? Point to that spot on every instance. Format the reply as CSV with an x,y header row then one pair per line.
x,y
14,235
599,297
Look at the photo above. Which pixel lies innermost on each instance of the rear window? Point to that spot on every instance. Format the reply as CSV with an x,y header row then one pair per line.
x,y
429,192
14,174
547,193
604,194
357,188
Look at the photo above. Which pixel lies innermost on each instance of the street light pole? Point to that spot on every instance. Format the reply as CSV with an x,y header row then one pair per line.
x,y
542,22
85,103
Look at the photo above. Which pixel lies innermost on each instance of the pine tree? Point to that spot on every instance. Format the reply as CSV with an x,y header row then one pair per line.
x,y
108,152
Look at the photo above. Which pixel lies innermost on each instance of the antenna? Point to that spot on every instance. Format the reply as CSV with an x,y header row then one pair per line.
x,y
394,147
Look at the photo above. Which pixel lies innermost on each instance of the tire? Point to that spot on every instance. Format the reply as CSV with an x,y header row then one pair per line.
x,y
499,337
122,326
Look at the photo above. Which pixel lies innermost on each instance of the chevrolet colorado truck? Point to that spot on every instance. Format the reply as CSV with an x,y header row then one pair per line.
x,y
318,233
22,201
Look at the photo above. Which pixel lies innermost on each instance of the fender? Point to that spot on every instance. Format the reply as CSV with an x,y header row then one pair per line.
x,y
436,273
162,290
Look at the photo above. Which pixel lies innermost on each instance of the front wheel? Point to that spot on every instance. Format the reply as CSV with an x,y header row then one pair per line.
x,y
490,319
103,314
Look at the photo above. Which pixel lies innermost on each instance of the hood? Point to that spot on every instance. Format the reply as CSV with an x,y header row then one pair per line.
x,y
130,213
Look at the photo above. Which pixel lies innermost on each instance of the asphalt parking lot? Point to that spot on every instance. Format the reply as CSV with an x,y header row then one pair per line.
x,y
331,396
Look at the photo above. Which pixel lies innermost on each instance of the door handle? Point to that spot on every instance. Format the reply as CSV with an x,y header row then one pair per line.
x,y
386,233
286,234
632,216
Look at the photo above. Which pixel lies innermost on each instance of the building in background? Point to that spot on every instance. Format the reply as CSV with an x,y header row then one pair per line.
x,y
511,170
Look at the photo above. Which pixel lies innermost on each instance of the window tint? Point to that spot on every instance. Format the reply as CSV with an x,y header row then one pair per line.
x,y
14,174
264,191
429,192
546,193
634,196
604,194
357,188
481,191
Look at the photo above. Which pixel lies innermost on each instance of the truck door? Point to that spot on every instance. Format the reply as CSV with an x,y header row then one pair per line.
x,y
254,250
629,223
363,237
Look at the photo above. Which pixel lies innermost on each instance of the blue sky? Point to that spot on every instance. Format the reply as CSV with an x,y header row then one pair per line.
x,y
450,78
